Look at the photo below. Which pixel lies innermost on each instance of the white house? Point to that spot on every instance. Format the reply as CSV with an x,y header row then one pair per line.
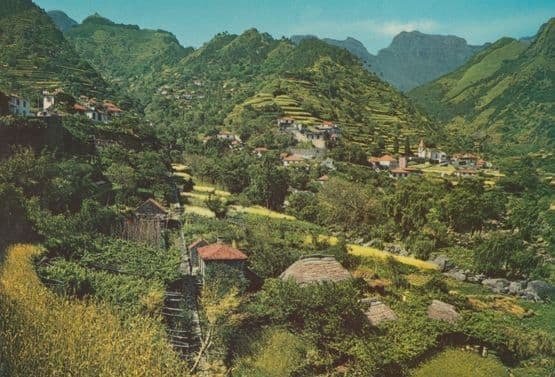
x,y
47,100
431,154
19,106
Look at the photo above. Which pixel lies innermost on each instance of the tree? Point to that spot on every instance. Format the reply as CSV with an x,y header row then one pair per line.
x,y
505,254
268,182
217,205
408,152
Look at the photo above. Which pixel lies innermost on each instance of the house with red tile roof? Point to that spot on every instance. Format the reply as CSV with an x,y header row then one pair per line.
x,y
222,254
386,161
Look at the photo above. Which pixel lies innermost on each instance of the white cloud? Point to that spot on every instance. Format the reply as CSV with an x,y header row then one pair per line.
x,y
368,27
392,28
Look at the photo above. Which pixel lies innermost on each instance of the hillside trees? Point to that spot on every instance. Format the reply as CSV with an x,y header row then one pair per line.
x,y
269,182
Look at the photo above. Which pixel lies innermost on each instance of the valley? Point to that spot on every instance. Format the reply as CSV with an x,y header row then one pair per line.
x,y
261,207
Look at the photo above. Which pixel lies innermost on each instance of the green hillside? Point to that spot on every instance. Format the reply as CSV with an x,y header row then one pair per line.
x,y
505,95
34,55
125,54
244,82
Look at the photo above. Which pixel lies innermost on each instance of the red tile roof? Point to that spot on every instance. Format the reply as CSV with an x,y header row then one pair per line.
x,y
219,251
387,157
293,158
78,107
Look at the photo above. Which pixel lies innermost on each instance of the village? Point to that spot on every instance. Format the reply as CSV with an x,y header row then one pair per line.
x,y
315,141
47,108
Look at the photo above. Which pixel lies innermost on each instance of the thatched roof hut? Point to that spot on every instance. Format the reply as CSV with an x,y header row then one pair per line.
x,y
442,311
378,312
316,269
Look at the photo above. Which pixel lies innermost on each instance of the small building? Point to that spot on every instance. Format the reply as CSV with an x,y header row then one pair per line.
x,y
19,106
316,269
147,224
260,151
386,161
378,312
293,159
442,311
227,136
152,209
284,123
465,159
430,154
219,253
48,100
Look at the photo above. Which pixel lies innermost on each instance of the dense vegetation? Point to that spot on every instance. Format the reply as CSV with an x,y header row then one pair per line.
x,y
126,55
47,335
34,55
73,192
501,101
244,82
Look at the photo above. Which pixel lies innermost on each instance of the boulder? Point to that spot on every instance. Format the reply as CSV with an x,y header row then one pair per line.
x,y
442,311
539,289
516,287
497,285
456,274
443,263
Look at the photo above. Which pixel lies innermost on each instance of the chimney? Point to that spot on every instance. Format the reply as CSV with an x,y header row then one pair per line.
x,y
403,162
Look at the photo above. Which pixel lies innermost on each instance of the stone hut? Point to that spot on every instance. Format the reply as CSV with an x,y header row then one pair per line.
x,y
442,311
219,253
316,269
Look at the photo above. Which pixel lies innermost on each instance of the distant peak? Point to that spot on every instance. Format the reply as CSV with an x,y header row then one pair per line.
x,y
96,18
62,20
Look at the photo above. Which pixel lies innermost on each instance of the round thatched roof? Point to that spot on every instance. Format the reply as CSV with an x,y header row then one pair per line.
x,y
316,269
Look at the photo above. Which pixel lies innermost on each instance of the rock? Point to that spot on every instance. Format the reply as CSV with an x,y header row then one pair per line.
x,y
442,311
497,285
539,289
480,277
443,263
456,274
516,287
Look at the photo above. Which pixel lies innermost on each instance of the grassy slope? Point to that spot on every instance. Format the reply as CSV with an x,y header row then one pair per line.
x,y
253,79
34,55
44,334
124,54
505,92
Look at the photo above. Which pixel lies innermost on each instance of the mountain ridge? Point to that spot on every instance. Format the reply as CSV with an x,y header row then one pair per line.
x,y
412,58
34,55
125,54
503,96
62,20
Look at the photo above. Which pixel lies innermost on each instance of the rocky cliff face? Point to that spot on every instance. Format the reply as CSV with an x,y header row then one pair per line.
x,y
412,58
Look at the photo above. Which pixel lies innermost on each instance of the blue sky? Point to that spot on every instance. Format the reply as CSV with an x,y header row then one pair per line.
x,y
374,22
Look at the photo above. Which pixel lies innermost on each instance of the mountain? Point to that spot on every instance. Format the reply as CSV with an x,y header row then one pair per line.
x,y
125,54
62,20
412,58
34,55
504,96
354,46
244,82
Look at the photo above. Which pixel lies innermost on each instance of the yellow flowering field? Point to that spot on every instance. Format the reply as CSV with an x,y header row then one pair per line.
x,y
43,334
